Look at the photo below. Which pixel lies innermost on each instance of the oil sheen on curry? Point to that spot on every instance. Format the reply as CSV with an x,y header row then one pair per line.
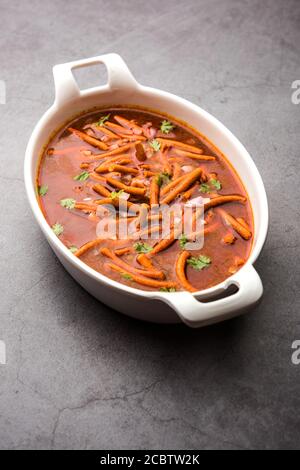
x,y
133,161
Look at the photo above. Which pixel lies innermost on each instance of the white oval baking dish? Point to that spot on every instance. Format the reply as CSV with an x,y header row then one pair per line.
x,y
123,89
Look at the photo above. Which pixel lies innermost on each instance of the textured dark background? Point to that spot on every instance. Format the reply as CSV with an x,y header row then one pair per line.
x,y
79,375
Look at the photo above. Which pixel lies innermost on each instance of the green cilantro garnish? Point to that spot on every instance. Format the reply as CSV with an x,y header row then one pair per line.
x,y
82,176
102,120
166,127
167,289
141,247
73,248
126,276
154,144
183,240
162,178
116,194
42,190
205,188
68,203
57,229
200,262
216,183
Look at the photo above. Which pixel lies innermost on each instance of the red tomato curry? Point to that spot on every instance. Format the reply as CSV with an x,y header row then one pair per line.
x,y
128,158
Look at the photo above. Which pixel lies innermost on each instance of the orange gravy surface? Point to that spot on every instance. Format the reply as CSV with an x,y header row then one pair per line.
x,y
67,171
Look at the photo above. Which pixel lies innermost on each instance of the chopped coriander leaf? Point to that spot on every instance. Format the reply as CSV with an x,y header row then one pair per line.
x,y
116,194
68,203
216,183
154,144
73,248
162,178
82,176
200,262
42,190
183,240
167,289
57,229
159,180
141,247
166,175
126,276
204,188
166,127
102,120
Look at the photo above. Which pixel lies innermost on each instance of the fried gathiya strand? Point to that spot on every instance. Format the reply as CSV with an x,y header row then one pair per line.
x,y
181,145
143,280
98,188
141,272
217,201
236,225
87,246
154,191
129,189
183,185
180,271
88,138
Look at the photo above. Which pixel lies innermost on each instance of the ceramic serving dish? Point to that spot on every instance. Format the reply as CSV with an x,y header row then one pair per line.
x,y
197,309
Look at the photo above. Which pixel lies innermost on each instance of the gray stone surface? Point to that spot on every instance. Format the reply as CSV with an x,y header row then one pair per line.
x,y
79,375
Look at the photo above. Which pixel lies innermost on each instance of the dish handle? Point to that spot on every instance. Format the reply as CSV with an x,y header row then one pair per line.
x,y
119,76
196,313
